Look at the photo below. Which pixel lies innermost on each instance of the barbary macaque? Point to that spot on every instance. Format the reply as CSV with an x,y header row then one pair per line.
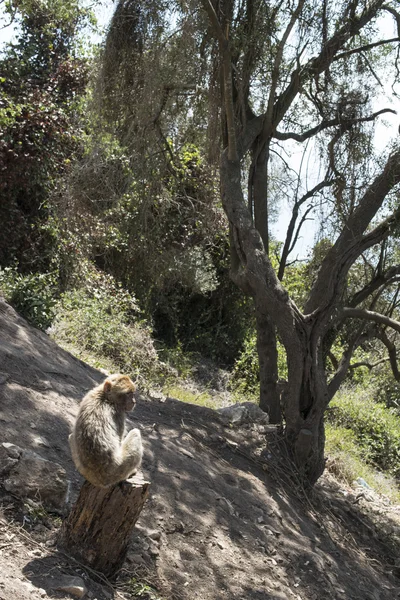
x,y
101,451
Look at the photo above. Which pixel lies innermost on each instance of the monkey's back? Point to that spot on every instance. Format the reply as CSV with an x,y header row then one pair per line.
x,y
97,432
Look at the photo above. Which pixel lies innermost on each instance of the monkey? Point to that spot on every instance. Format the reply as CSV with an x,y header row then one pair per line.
x,y
101,451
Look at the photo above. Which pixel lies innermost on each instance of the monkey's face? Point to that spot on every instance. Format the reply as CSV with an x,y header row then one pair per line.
x,y
129,401
120,390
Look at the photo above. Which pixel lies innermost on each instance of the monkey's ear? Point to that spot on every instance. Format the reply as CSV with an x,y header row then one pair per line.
x,y
107,386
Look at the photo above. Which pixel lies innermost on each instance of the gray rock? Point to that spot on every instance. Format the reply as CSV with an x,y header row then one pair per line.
x,y
246,412
12,450
71,585
35,477
154,534
9,456
256,414
235,414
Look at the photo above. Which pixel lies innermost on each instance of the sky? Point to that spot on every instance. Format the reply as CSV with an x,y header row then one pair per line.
x,y
384,133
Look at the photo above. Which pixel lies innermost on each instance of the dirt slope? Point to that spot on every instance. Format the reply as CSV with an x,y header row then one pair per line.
x,y
220,521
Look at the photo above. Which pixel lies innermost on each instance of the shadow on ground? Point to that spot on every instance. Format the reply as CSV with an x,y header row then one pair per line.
x,y
229,527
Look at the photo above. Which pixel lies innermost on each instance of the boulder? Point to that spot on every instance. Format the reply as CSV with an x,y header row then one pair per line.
x,y
31,476
246,412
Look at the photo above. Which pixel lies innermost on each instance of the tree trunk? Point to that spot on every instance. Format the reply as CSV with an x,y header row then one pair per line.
x,y
268,365
305,402
99,526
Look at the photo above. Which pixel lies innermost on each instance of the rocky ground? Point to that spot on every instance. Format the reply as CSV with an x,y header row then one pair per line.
x,y
224,519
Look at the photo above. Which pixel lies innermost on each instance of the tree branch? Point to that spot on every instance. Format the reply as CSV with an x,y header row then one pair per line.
x,y
227,77
369,366
319,64
301,137
288,246
369,315
395,14
391,348
344,364
366,47
329,283
275,71
382,279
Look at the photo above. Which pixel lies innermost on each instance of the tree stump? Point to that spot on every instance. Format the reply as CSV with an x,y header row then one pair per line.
x,y
99,526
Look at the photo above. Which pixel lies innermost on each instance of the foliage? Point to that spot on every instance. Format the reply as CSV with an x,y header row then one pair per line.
x,y
42,77
33,295
104,320
181,393
246,372
346,460
138,589
387,388
161,237
375,427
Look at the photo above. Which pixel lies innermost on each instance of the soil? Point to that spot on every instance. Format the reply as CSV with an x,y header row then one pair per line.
x,y
224,520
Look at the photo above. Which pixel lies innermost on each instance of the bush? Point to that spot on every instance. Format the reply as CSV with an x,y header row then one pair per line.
x,y
346,460
33,296
246,371
376,428
103,319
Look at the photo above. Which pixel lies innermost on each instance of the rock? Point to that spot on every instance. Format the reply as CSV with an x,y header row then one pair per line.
x,y
186,452
41,441
72,585
235,414
12,450
34,476
6,464
256,414
136,559
361,482
246,412
9,457
154,550
3,377
154,534
260,519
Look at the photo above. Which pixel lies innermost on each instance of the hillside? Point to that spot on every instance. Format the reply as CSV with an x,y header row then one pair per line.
x,y
222,520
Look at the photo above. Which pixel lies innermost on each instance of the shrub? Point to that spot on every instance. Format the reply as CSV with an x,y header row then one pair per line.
x,y
246,372
101,322
376,428
33,296
347,461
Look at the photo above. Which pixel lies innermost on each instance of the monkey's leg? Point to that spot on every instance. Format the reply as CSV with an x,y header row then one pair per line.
x,y
132,452
74,451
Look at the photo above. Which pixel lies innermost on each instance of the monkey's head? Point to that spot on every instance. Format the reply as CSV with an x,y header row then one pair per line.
x,y
120,391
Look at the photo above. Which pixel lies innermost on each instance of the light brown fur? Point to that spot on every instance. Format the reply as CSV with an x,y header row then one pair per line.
x,y
101,451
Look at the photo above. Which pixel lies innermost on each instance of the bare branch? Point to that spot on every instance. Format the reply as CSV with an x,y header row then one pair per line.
x,y
351,242
276,68
391,348
288,245
369,315
319,64
302,221
301,137
344,363
366,47
382,279
396,15
369,366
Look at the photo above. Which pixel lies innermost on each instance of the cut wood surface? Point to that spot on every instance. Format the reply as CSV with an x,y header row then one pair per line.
x,y
99,526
